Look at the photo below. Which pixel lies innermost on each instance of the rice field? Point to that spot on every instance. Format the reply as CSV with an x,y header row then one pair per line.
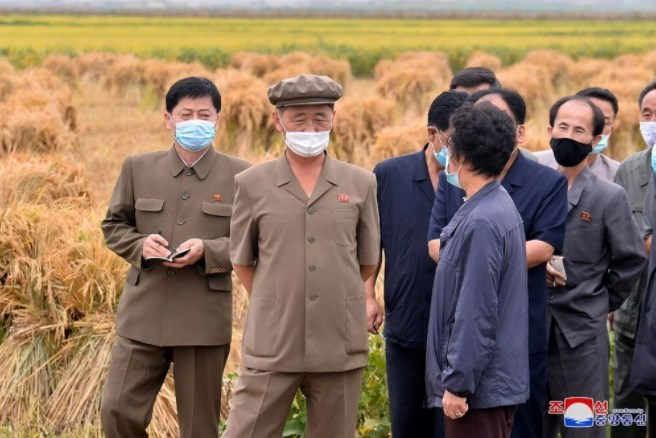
x,y
79,101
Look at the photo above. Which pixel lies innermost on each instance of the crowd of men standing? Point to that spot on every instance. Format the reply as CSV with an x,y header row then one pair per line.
x,y
504,269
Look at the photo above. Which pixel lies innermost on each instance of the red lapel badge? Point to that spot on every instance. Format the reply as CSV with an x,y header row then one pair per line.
x,y
217,197
586,216
343,198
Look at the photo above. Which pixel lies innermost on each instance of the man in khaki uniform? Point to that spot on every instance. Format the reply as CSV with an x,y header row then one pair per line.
x,y
178,311
304,237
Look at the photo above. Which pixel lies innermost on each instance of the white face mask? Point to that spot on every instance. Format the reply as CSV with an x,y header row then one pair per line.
x,y
648,131
306,144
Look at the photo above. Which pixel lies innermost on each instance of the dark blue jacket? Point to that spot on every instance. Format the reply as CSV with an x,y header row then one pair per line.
x,y
540,195
405,199
478,331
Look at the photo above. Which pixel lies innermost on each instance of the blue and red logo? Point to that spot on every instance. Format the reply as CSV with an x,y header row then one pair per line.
x,y
579,412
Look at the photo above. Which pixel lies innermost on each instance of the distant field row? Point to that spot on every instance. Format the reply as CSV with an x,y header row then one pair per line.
x,y
25,39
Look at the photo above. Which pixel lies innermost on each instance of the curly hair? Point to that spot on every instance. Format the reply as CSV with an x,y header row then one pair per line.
x,y
484,136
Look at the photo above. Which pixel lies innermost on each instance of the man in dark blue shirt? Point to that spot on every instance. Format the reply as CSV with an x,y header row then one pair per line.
x,y
406,190
540,195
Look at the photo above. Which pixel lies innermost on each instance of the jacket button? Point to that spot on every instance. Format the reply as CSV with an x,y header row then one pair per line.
x,y
310,210
551,296
311,239
313,268
180,222
185,196
313,297
170,273
188,172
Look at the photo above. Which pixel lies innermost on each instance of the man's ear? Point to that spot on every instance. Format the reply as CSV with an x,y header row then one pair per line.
x,y
276,120
520,135
431,132
168,121
549,130
596,140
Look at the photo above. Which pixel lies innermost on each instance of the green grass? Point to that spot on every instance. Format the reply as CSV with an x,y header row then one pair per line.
x,y
27,38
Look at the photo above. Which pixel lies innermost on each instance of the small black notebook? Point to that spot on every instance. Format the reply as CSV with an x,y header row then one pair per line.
x,y
172,257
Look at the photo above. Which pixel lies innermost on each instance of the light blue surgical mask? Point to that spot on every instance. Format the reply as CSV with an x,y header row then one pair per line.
x,y
653,158
439,156
602,145
452,178
194,135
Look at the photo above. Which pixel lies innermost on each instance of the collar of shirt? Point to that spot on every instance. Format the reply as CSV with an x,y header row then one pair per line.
x,y
421,174
466,208
645,171
515,176
574,194
202,166
285,177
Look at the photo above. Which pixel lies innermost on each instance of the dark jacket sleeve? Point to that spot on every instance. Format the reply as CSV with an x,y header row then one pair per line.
x,y
119,225
438,218
551,215
628,254
476,318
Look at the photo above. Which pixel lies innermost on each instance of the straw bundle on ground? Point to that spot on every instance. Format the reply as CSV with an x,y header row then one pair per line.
x,y
94,66
399,140
160,75
297,63
63,66
482,59
126,71
255,64
413,79
358,120
42,179
245,124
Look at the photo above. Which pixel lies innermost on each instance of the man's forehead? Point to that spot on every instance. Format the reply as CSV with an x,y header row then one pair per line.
x,y
298,110
575,111
650,99
195,103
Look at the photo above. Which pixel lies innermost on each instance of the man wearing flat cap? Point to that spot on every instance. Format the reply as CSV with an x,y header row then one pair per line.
x,y
304,238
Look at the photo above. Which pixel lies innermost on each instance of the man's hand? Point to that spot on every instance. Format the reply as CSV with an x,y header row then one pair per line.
x,y
155,246
374,316
454,407
195,253
554,278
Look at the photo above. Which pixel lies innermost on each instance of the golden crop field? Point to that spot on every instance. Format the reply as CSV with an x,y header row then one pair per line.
x,y
89,91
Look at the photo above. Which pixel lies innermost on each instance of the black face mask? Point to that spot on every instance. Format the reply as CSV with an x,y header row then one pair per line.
x,y
568,152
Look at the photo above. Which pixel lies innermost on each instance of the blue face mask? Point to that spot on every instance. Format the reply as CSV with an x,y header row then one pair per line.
x,y
194,135
452,178
439,156
653,158
603,144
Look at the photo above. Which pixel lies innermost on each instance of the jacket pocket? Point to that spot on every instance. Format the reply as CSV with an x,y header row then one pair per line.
x,y
345,221
584,245
132,276
261,337
149,204
216,209
220,282
356,325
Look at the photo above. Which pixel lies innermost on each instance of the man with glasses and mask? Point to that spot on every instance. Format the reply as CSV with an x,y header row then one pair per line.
x,y
406,190
173,310
603,257
540,195
304,239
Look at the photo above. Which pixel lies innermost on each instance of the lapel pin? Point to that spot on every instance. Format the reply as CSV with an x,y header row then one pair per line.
x,y
217,197
343,198
586,216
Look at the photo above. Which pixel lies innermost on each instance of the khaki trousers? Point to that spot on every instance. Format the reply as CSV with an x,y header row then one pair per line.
x,y
136,374
262,399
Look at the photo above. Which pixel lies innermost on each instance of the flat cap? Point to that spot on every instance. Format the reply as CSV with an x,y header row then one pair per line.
x,y
305,90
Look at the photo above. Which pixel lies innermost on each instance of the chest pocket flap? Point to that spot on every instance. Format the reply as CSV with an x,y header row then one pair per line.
x,y
216,209
149,204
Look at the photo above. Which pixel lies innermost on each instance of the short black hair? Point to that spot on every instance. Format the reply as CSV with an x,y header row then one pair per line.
x,y
473,76
484,136
512,98
602,94
192,87
597,119
645,91
443,107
